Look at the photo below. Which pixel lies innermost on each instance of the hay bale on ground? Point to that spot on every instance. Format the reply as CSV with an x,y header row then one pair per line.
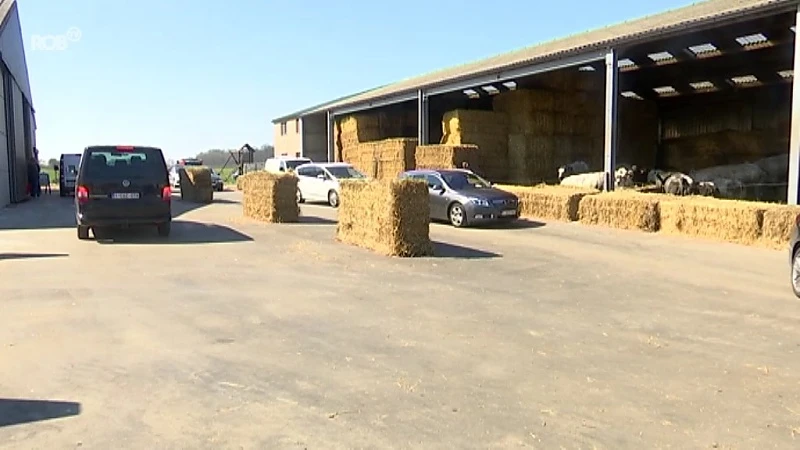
x,y
778,225
391,217
445,156
716,219
196,184
625,210
242,180
271,197
549,202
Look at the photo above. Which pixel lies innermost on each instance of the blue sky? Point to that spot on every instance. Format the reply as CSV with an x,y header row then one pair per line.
x,y
192,75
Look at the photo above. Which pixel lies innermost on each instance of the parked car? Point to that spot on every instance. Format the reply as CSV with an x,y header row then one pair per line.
x,y
122,186
216,181
463,198
67,169
320,181
284,164
794,256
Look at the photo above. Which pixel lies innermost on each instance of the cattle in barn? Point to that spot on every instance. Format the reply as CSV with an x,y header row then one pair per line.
x,y
623,177
746,173
729,188
775,167
573,168
676,183
590,180
657,176
706,189
639,175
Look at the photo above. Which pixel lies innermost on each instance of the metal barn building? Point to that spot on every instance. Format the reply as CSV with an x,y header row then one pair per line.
x,y
17,123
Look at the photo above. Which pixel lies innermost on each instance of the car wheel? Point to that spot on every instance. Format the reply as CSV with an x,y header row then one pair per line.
x,y
796,272
300,198
83,232
333,199
164,229
457,216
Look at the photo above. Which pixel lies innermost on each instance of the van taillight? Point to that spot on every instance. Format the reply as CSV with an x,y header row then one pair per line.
x,y
166,194
82,193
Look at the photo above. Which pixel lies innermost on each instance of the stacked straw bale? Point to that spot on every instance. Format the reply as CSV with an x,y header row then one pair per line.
x,y
382,159
778,225
625,210
486,129
242,180
549,202
721,148
271,197
726,220
391,217
446,156
550,128
196,184
353,130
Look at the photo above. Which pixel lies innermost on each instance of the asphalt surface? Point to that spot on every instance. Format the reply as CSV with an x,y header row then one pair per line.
x,y
235,334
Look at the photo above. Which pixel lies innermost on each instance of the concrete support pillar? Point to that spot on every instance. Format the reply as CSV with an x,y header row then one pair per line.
x,y
793,193
423,118
611,116
331,141
300,124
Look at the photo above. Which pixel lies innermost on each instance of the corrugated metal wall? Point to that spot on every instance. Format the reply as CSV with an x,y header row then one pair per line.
x,y
5,155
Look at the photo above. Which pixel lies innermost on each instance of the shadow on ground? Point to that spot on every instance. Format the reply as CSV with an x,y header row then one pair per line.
x,y
519,224
4,256
314,220
445,250
16,411
183,232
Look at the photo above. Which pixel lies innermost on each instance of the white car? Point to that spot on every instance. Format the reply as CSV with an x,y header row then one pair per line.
x,y
284,164
320,181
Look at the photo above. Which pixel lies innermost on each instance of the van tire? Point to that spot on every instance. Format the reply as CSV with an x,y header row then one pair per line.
x,y
164,229
83,232
61,192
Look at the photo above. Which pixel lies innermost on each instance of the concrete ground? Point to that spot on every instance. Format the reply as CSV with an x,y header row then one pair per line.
x,y
235,334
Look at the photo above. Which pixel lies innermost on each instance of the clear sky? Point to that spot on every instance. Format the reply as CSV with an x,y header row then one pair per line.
x,y
192,75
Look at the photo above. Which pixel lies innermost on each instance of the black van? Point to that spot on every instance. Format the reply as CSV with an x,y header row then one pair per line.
x,y
122,186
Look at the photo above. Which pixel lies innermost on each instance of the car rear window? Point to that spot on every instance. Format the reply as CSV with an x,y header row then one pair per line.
x,y
293,164
109,162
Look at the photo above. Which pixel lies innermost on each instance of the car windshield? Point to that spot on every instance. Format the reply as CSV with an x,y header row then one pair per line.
x,y
345,172
293,164
464,180
112,163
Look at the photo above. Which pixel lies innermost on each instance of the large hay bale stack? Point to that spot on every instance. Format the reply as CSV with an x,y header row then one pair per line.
x,y
638,132
271,197
726,220
383,159
446,156
721,148
242,180
196,185
486,129
625,210
358,128
391,217
778,225
549,202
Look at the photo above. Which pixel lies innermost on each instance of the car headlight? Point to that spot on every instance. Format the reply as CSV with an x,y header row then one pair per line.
x,y
479,201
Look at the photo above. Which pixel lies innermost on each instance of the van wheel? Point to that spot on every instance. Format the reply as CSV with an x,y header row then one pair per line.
x,y
83,232
333,199
164,229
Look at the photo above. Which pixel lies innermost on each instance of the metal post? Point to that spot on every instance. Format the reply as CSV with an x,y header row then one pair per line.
x,y
302,141
422,119
612,100
793,189
331,141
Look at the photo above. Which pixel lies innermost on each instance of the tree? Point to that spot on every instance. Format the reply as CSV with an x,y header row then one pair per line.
x,y
52,162
217,158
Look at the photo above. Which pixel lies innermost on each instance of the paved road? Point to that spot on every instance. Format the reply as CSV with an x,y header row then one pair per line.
x,y
241,335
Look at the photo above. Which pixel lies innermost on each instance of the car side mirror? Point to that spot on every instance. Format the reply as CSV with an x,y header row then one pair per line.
x,y
321,176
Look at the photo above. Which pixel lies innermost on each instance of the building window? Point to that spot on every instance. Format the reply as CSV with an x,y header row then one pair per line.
x,y
297,125
283,128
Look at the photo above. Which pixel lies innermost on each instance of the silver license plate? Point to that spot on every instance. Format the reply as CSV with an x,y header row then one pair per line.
x,y
509,212
125,195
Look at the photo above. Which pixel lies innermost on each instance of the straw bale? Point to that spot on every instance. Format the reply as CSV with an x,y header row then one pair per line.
x,y
533,122
359,128
531,158
549,202
382,159
271,197
716,219
391,217
242,181
778,225
625,210
445,156
716,149
468,121
196,184
564,124
522,101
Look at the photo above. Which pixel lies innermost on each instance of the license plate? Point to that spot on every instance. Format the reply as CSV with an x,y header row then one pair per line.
x,y
509,212
125,195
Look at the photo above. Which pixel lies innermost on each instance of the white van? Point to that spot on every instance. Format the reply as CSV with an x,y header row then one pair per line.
x,y
67,173
284,163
